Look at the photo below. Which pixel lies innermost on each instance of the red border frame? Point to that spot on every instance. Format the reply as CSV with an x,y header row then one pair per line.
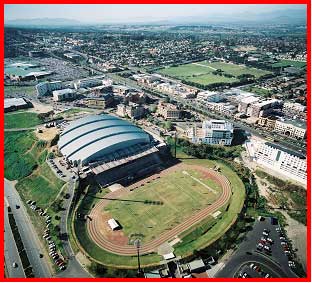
x,y
308,41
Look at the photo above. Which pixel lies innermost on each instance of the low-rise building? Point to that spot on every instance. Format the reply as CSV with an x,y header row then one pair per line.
x,y
212,132
89,82
101,102
283,160
246,102
64,94
168,111
291,109
267,122
45,88
13,104
262,108
292,128
133,110
209,96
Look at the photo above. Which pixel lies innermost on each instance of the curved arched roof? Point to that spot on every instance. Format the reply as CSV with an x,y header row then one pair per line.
x,y
95,136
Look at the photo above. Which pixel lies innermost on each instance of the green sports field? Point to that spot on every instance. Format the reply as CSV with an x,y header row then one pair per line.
x,y
202,72
286,63
176,196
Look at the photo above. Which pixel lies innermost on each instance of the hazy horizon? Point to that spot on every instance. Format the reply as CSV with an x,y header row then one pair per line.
x,y
113,13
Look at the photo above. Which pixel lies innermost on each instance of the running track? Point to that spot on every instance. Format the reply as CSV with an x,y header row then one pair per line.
x,y
151,246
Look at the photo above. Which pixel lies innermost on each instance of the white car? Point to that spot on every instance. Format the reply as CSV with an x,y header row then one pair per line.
x,y
14,264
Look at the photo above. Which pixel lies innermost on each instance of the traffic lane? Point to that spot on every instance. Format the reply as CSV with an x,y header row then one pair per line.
x,y
28,234
74,268
11,252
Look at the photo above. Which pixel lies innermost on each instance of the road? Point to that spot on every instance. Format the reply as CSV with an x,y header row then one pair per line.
x,y
74,269
28,233
11,252
277,263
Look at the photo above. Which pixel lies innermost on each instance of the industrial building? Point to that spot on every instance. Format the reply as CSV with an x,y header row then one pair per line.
x,y
212,132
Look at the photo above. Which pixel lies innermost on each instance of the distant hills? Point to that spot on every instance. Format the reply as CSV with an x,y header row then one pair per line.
x,y
295,16
43,22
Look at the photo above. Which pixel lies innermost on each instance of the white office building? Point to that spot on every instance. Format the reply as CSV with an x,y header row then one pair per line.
x,y
212,132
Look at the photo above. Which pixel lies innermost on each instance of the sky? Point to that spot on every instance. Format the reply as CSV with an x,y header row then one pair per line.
x,y
102,13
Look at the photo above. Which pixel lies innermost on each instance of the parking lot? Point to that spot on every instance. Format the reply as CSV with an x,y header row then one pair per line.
x,y
273,260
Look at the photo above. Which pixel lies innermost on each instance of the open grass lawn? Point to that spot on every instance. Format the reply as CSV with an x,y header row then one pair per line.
x,y
180,195
211,79
202,72
42,186
285,63
21,90
73,111
21,120
18,162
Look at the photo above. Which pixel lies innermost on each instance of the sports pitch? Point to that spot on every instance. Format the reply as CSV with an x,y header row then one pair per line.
x,y
176,195
202,72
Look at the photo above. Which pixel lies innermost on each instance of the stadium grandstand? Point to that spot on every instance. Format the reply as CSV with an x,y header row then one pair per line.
x,y
100,143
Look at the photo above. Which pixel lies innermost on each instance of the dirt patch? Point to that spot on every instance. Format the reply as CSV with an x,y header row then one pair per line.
x,y
116,237
47,134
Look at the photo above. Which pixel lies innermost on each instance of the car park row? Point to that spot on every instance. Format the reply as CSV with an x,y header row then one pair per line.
x,y
56,257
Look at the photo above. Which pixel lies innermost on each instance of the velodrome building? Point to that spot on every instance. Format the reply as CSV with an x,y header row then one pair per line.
x,y
105,142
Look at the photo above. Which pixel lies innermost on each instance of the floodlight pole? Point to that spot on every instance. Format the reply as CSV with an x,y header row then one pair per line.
x,y
137,244
175,144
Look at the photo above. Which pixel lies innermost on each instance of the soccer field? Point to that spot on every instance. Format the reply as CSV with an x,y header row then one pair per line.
x,y
202,72
177,196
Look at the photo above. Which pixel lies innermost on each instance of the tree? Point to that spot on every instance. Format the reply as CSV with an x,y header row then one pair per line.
x,y
168,125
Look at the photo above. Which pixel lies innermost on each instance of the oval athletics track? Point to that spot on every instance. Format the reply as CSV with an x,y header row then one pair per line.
x,y
128,250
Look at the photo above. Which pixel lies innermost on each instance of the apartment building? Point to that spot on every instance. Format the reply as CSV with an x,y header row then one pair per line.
x,y
282,160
